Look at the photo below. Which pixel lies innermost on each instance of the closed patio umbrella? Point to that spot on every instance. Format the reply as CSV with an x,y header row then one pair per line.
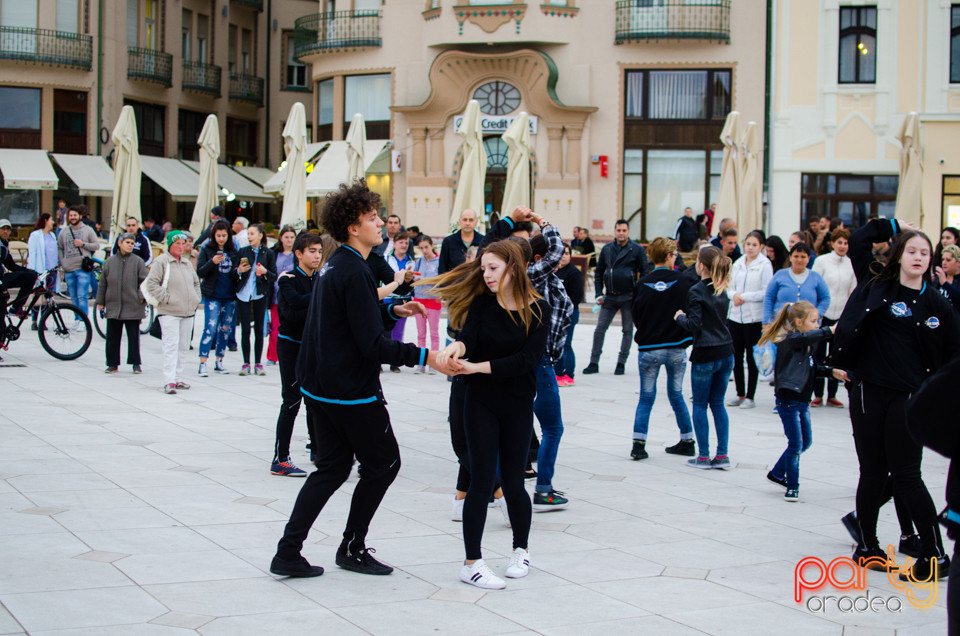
x,y
356,139
728,198
517,190
126,172
473,169
909,191
294,187
751,195
208,191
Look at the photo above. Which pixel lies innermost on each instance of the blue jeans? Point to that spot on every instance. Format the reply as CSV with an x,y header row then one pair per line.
x,y
78,285
796,426
568,363
675,361
709,381
219,317
547,409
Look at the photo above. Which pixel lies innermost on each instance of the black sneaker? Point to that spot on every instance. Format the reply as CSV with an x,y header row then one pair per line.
x,y
620,370
920,572
591,368
685,447
639,452
910,545
299,568
849,522
792,494
546,501
361,562
871,558
529,472
780,481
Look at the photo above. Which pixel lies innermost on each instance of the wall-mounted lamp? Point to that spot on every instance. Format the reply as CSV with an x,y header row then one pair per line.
x,y
225,10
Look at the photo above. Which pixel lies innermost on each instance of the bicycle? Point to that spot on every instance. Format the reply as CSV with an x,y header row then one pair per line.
x,y
64,329
99,317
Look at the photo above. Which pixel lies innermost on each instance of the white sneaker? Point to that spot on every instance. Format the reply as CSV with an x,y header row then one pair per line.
x,y
748,404
202,371
481,576
501,503
519,564
735,401
418,370
457,514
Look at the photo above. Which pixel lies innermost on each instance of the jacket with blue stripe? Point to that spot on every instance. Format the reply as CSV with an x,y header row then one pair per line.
x,y
294,290
343,342
656,299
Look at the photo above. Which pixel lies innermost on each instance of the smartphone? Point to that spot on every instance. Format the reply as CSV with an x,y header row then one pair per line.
x,y
244,261
219,252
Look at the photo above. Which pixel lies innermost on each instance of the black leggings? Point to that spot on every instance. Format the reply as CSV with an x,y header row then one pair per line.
x,y
744,337
496,427
820,356
115,329
885,446
258,308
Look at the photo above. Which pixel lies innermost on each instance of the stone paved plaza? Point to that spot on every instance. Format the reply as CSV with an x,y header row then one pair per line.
x,y
127,511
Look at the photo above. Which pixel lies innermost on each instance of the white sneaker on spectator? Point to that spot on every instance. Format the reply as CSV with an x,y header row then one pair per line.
x,y
481,576
457,514
519,564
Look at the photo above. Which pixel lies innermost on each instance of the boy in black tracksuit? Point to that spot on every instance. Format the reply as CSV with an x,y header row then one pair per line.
x,y
338,369
293,299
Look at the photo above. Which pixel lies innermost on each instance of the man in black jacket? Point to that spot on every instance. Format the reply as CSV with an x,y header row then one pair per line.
x,y
453,249
13,274
686,232
141,245
338,369
620,265
295,288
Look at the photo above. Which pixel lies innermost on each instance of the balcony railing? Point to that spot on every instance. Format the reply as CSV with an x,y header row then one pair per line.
x,y
253,4
150,65
246,88
327,32
46,46
644,20
202,78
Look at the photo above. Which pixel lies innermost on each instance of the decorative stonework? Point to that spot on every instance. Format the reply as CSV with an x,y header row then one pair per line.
x,y
560,12
431,14
490,17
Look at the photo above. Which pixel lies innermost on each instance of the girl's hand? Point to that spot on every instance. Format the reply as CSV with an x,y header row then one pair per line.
x,y
841,375
243,268
738,300
261,270
218,259
398,277
468,368
678,314
450,354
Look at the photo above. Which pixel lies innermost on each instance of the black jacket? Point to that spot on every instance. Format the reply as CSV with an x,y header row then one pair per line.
x,y
706,316
861,245
7,264
572,279
208,271
155,233
343,342
295,289
618,268
141,247
657,298
795,362
686,233
267,258
453,252
936,321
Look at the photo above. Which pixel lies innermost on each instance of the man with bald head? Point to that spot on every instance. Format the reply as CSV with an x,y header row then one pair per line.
x,y
453,250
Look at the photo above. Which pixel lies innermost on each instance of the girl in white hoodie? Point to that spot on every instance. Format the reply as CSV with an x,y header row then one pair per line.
x,y
748,283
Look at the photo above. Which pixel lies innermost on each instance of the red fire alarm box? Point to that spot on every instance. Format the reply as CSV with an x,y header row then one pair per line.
x,y
604,166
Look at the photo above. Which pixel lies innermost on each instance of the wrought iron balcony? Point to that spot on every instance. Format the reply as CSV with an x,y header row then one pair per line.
x,y
645,20
46,46
246,88
253,4
201,78
337,31
150,65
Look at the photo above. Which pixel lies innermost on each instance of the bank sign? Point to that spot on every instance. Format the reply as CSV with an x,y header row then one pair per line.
x,y
497,123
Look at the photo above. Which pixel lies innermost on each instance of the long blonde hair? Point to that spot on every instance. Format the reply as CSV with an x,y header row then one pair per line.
x,y
458,287
715,262
786,321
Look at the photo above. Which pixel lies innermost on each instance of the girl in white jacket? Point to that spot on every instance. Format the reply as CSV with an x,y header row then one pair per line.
x,y
748,283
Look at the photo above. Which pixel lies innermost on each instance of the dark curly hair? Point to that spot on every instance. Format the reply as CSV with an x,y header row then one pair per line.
x,y
343,208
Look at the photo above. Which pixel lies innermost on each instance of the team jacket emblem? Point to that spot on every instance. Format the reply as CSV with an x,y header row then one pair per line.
x,y
900,310
933,322
660,286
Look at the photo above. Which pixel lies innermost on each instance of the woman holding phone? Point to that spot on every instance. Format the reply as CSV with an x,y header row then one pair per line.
x,y
216,266
257,272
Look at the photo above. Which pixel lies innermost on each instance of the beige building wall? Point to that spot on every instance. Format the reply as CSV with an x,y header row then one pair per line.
x,y
581,115
822,126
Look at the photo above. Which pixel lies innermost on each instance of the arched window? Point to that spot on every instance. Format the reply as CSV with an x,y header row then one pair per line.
x,y
496,149
497,98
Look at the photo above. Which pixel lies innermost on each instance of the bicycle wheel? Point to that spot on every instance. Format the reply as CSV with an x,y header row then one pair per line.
x,y
99,322
65,331
147,321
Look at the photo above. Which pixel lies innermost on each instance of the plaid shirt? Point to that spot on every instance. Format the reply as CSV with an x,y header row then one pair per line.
x,y
546,283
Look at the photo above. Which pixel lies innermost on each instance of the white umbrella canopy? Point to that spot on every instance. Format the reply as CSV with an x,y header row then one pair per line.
x,y
208,191
750,215
909,191
517,189
295,185
728,198
473,169
356,139
126,172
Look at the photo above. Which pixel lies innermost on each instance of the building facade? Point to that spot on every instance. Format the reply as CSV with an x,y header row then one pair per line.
x,y
67,68
838,106
628,98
